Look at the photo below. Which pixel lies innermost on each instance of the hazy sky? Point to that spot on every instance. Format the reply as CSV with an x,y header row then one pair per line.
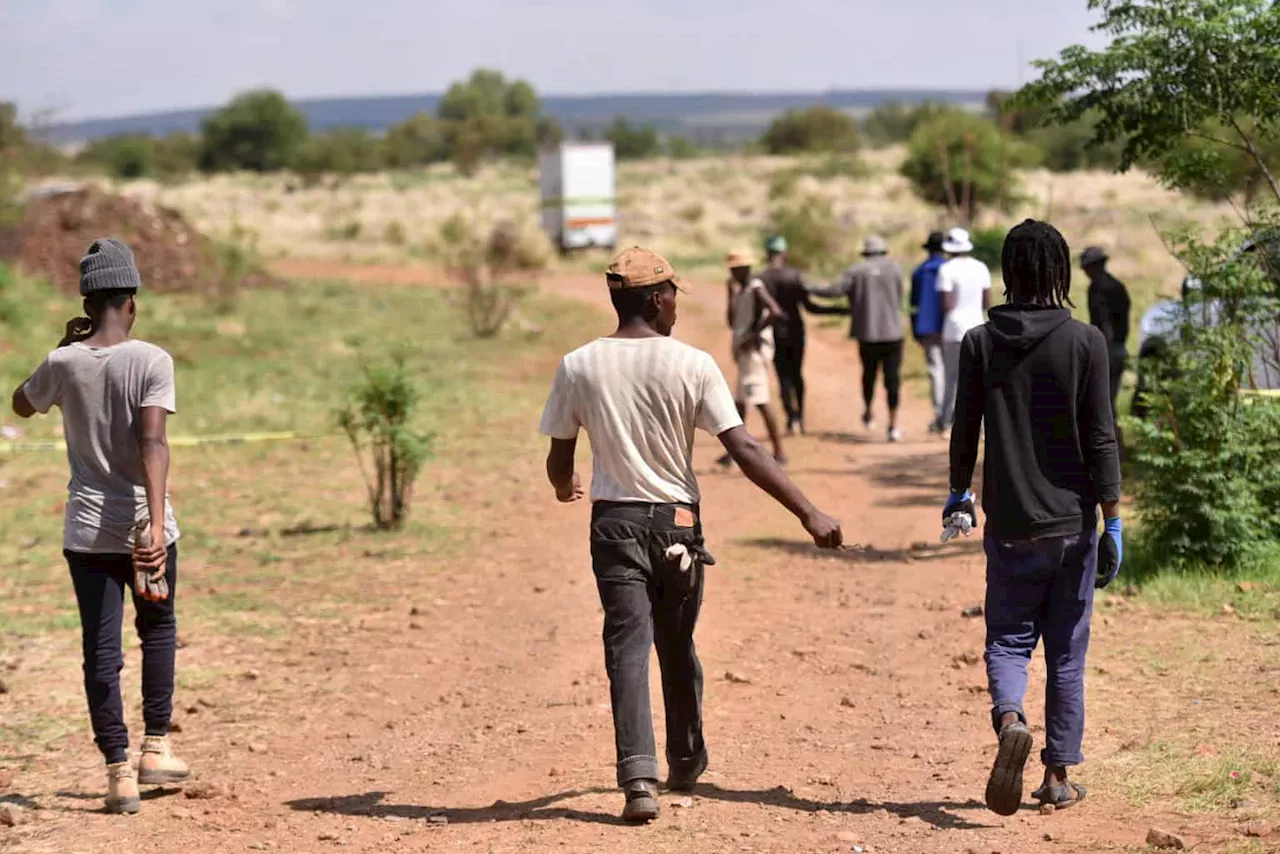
x,y
112,57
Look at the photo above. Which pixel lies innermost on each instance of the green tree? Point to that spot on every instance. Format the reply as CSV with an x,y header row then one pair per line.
x,y
894,122
960,160
1173,70
632,142
488,115
417,141
129,155
258,131
1186,87
818,128
341,151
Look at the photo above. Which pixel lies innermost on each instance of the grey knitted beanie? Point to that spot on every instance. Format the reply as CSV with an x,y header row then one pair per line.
x,y
108,266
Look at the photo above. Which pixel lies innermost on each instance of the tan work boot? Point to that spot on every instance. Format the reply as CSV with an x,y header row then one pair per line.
x,y
158,765
122,789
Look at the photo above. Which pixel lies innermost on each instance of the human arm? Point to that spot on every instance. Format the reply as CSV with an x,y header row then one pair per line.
x,y
841,287
1100,313
560,470
771,308
970,403
758,464
153,443
946,287
1096,425
560,423
917,286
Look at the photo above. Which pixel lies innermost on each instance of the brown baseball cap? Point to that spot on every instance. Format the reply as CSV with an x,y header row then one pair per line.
x,y
640,268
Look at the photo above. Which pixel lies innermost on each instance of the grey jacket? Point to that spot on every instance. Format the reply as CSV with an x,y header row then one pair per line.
x,y
874,288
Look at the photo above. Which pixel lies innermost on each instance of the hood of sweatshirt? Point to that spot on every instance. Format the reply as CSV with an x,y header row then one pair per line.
x,y
1021,327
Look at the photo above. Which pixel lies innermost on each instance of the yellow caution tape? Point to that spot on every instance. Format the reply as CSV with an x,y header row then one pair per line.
x,y
174,441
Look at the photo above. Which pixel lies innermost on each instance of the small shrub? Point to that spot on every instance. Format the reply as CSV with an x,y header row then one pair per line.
x,y
693,212
378,420
682,148
394,233
232,259
632,142
1208,487
484,261
814,129
813,235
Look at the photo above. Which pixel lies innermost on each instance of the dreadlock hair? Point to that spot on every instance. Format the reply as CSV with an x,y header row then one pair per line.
x,y
1036,263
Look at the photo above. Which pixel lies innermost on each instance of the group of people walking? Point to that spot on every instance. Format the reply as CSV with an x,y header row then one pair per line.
x,y
1041,383
950,294
1038,379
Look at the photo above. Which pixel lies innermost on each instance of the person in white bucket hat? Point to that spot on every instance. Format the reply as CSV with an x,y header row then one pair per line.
x,y
964,284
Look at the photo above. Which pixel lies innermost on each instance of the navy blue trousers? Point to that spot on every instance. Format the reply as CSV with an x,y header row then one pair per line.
x,y
100,581
1041,590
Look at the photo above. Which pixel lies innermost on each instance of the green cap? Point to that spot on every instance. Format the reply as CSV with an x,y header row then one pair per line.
x,y
776,244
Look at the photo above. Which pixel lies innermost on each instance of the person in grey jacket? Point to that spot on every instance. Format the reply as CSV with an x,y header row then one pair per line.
x,y
874,289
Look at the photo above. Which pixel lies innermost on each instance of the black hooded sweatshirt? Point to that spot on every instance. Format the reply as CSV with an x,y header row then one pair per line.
x,y
1040,379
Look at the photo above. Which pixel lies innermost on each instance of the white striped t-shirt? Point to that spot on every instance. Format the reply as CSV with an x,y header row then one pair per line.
x,y
639,400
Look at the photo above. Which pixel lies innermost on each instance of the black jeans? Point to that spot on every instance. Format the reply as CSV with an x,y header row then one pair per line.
x,y
100,581
788,361
877,353
649,602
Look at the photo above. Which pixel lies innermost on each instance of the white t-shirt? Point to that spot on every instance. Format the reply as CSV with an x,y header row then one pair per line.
x,y
968,278
639,400
101,392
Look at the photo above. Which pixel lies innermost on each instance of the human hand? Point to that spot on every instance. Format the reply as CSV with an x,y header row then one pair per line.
x,y
1110,552
824,529
150,564
77,329
572,493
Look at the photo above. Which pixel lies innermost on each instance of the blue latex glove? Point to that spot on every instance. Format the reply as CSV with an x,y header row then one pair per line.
x,y
1110,552
959,502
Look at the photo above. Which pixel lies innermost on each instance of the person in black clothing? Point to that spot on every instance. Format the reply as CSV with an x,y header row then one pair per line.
x,y
1039,380
1109,311
790,292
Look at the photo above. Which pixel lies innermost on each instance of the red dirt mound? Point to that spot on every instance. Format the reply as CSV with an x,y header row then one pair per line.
x,y
56,229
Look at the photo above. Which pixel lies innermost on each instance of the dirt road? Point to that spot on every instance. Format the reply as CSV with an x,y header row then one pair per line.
x,y
845,696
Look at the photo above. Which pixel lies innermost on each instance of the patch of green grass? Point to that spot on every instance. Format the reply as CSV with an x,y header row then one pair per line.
x,y
1252,591
284,360
1164,773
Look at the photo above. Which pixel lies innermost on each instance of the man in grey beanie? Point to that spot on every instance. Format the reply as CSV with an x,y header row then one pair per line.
x,y
115,394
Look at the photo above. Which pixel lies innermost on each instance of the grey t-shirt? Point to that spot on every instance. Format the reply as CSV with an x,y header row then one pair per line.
x,y
101,392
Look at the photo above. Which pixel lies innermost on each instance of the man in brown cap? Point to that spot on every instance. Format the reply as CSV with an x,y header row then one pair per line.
x,y
639,394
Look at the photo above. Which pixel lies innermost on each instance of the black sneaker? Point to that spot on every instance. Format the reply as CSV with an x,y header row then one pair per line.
x,y
642,801
687,779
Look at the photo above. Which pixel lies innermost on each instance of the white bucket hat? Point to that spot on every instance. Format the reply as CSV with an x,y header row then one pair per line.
x,y
957,241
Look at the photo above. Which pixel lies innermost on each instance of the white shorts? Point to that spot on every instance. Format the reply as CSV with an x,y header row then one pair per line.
x,y
753,377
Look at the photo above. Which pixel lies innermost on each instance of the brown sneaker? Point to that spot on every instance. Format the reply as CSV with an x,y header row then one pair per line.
x,y
122,789
158,765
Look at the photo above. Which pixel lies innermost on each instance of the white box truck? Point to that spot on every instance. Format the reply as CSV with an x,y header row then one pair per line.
x,y
578,204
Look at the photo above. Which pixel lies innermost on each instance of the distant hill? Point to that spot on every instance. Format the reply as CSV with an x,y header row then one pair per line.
x,y
707,117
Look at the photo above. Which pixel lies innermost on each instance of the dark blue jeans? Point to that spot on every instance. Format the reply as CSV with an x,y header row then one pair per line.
x,y
100,581
648,602
1041,589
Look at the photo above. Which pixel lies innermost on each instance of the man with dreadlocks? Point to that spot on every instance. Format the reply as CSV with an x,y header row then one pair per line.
x,y
1040,380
